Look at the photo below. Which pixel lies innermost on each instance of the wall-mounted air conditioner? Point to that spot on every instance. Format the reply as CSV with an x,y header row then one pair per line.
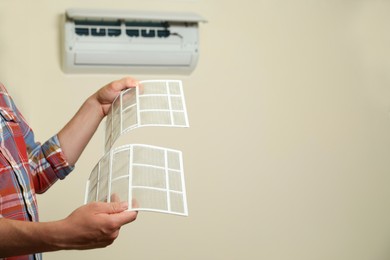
x,y
101,41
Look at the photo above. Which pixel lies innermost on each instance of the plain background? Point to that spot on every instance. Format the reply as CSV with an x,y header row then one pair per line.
x,y
288,153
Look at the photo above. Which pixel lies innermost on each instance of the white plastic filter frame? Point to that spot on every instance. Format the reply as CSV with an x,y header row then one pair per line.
x,y
153,103
149,178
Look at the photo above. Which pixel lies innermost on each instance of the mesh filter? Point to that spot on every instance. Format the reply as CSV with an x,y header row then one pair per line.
x,y
149,177
153,103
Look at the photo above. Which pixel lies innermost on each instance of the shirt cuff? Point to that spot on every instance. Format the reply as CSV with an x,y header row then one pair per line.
x,y
56,158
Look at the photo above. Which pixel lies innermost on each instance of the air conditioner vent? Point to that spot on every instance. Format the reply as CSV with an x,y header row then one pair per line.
x,y
97,28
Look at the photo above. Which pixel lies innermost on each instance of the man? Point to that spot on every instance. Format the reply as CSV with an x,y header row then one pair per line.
x,y
27,167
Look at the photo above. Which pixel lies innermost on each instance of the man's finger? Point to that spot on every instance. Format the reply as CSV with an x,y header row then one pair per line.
x,y
125,217
111,207
124,83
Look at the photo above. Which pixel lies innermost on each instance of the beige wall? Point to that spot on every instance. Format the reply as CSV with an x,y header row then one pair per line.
x,y
287,156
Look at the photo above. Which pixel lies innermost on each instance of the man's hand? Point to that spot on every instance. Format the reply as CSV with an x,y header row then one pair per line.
x,y
106,95
94,225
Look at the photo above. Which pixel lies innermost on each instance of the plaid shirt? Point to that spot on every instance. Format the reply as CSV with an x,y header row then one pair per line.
x,y
26,167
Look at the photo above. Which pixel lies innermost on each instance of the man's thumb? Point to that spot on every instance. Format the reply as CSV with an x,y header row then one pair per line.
x,y
115,207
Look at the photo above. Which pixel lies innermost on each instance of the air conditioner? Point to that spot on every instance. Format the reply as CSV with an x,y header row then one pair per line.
x,y
101,41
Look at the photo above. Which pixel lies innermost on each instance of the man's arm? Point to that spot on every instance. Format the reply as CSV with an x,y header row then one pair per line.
x,y
80,129
91,226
